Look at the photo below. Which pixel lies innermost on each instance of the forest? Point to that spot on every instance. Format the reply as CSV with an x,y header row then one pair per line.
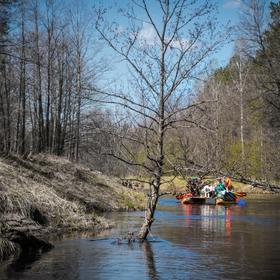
x,y
176,114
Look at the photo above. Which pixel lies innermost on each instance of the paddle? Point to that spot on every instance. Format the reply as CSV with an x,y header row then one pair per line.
x,y
231,196
240,194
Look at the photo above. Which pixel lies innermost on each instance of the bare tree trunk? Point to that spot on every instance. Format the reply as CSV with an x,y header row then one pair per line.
x,y
34,113
217,127
59,108
3,122
240,87
8,110
78,116
49,70
155,186
149,213
67,107
22,84
41,137
32,141
51,49
78,28
17,135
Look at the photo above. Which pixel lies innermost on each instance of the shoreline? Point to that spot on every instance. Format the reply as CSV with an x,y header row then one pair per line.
x,y
46,195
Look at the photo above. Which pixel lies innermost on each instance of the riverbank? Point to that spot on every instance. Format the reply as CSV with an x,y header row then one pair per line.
x,y
178,185
46,195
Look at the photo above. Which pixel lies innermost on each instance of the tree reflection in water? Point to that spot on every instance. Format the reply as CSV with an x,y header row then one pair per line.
x,y
150,260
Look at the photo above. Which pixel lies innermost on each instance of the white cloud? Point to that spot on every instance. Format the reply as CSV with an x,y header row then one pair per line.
x,y
147,35
120,30
232,4
180,44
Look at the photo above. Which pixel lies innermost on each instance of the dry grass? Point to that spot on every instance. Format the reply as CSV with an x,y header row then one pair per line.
x,y
69,196
46,194
7,248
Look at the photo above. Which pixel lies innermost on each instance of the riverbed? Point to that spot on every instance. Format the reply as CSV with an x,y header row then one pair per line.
x,y
186,242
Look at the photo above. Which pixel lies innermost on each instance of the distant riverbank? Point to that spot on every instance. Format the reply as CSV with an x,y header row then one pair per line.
x,y
46,194
178,185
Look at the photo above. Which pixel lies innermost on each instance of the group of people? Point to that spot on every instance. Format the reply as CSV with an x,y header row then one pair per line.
x,y
197,187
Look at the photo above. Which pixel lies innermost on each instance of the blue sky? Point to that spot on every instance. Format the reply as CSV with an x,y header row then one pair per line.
x,y
228,12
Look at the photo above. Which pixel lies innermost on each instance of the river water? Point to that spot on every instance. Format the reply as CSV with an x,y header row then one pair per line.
x,y
186,242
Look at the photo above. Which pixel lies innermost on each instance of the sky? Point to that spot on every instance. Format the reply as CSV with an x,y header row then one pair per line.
x,y
228,12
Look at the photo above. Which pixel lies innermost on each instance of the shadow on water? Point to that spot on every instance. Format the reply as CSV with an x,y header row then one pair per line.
x,y
24,261
26,258
150,260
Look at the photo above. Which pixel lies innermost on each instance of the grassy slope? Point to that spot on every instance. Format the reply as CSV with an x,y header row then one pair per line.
x,y
47,193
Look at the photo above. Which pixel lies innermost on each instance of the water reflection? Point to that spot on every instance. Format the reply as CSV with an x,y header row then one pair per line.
x,y
212,218
200,221
196,242
228,221
150,260
23,262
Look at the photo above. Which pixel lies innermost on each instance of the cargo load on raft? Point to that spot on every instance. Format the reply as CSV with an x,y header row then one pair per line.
x,y
200,192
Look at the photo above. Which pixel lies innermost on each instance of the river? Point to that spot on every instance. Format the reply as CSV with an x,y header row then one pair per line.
x,y
186,242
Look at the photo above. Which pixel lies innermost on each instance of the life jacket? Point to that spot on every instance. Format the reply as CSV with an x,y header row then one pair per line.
x,y
228,184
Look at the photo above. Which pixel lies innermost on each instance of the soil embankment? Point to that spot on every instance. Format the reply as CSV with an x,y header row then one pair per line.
x,y
47,194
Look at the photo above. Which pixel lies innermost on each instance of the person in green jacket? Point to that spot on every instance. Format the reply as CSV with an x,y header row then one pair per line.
x,y
220,188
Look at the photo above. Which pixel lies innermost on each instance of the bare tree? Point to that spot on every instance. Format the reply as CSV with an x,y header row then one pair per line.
x,y
240,70
43,69
22,87
80,42
164,51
